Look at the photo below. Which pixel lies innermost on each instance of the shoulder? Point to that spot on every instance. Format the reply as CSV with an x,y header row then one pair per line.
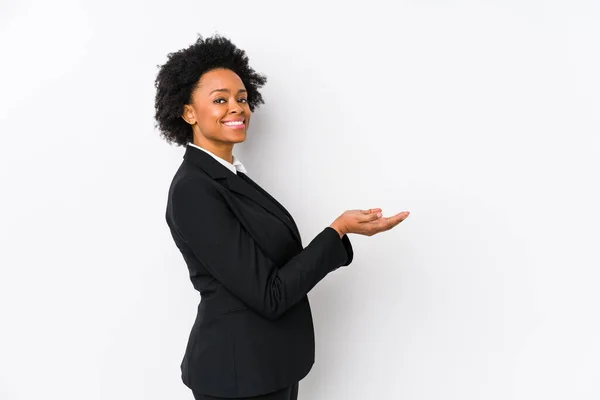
x,y
195,199
192,183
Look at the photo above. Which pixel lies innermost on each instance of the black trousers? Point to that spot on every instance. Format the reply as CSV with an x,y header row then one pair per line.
x,y
290,393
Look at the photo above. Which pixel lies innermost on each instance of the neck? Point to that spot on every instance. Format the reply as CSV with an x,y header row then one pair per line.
x,y
221,150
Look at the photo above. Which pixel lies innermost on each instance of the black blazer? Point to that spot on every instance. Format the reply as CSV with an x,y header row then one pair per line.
x,y
253,333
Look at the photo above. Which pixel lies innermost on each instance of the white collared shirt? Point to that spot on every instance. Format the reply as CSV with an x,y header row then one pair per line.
x,y
236,166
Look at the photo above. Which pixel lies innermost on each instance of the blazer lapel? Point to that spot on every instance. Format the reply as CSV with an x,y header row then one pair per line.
x,y
284,216
240,184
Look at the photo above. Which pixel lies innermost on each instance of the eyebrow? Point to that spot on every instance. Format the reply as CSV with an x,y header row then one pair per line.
x,y
227,90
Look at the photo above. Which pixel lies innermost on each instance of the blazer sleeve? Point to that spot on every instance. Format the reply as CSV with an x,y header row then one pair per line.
x,y
230,254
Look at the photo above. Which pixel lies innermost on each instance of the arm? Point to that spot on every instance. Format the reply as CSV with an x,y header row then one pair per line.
x,y
230,254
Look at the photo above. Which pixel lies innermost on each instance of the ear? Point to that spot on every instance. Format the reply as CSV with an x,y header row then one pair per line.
x,y
188,114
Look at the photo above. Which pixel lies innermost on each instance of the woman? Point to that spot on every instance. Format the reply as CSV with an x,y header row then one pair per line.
x,y
253,335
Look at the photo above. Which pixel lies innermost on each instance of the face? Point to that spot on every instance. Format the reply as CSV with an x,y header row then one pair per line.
x,y
219,112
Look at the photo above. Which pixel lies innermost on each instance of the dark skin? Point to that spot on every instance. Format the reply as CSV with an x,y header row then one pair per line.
x,y
220,115
219,103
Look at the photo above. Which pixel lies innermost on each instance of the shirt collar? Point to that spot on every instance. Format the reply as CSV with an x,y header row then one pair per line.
x,y
233,167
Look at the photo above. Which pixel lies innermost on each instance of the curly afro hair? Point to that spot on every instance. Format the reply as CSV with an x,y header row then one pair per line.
x,y
178,77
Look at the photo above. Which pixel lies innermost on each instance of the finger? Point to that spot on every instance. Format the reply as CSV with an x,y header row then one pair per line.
x,y
396,219
369,217
401,215
390,222
371,211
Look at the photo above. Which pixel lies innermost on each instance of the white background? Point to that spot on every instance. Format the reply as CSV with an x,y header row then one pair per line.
x,y
481,118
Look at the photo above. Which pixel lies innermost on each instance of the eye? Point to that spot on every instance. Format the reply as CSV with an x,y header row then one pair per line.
x,y
219,101
243,100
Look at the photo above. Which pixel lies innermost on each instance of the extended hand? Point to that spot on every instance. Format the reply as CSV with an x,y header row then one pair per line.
x,y
366,222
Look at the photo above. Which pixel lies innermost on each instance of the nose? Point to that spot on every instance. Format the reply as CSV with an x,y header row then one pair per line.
x,y
234,107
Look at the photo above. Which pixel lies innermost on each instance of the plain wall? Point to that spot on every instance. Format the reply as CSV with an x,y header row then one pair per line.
x,y
481,118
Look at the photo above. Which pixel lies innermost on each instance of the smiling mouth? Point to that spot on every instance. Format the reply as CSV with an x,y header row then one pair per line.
x,y
234,123
237,125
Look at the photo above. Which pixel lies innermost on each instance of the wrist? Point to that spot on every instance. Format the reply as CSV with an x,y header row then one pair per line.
x,y
335,225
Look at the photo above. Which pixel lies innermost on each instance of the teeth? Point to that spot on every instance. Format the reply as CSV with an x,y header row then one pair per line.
x,y
234,123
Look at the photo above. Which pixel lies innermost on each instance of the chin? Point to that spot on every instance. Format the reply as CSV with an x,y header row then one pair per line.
x,y
239,138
